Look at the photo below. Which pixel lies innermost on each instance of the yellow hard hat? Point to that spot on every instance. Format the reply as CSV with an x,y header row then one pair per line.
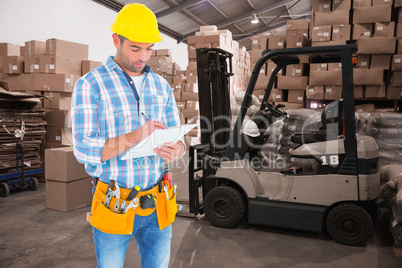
x,y
137,23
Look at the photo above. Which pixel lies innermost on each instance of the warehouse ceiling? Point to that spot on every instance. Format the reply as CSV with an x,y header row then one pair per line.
x,y
182,18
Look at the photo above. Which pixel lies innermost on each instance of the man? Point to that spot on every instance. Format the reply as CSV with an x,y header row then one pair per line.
x,y
115,107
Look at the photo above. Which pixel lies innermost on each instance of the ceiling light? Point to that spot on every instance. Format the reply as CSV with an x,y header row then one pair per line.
x,y
255,19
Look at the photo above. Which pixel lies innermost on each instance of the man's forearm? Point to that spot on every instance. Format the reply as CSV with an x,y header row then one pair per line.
x,y
115,146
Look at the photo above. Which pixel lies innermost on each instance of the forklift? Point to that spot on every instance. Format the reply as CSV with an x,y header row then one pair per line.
x,y
337,198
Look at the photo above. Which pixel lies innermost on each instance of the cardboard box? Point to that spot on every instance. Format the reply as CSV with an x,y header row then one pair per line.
x,y
382,3
35,48
181,104
294,41
362,30
20,82
393,93
259,93
335,66
399,47
189,96
297,70
397,3
340,32
193,105
337,17
296,96
61,165
177,96
89,65
341,4
52,64
379,61
320,78
67,196
66,49
398,32
58,118
55,82
276,42
31,64
262,82
363,61
289,82
376,45
190,113
396,64
163,52
384,29
368,76
290,106
315,92
259,42
369,108
256,54
329,43
333,92
271,67
58,101
396,79
298,24
195,39
361,3
13,64
8,49
358,91
319,66
276,95
321,5
321,33
374,91
372,14
59,135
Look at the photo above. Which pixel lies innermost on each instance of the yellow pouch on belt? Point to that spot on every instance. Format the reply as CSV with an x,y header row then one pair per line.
x,y
106,220
166,209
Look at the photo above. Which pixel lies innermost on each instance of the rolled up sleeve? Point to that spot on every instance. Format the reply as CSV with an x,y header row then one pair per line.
x,y
85,117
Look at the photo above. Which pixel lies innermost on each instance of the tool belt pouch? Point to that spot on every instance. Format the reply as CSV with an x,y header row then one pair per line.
x,y
106,220
166,209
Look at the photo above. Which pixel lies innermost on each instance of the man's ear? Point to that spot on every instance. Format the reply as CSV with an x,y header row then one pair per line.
x,y
116,40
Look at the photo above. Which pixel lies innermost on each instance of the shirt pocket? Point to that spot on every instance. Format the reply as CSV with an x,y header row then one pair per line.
x,y
157,107
114,121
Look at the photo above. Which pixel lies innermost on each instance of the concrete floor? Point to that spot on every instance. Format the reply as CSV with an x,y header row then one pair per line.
x,y
34,236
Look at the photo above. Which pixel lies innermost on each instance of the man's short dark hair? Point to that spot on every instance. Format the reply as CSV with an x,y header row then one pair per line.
x,y
122,39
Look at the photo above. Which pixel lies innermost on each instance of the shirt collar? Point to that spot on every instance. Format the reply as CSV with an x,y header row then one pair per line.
x,y
112,65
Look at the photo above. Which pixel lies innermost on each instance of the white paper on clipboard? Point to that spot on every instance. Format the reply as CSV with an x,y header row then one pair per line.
x,y
158,137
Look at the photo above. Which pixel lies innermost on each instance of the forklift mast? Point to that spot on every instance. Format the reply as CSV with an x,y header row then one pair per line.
x,y
214,70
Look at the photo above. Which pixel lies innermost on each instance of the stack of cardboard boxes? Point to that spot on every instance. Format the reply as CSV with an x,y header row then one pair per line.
x,y
394,86
290,85
185,84
68,186
51,69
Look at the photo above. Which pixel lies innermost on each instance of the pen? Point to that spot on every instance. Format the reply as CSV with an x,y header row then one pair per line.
x,y
146,116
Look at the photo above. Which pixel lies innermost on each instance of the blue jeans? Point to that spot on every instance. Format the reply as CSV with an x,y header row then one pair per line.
x,y
153,244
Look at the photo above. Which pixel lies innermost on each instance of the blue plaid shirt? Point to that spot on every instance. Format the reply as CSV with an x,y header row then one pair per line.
x,y
103,107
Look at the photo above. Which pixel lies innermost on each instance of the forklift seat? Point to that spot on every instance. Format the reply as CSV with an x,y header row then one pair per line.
x,y
332,125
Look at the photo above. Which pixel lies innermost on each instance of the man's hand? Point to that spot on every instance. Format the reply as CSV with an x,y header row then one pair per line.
x,y
147,129
170,152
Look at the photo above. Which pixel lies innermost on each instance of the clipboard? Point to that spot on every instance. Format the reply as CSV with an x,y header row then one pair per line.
x,y
157,138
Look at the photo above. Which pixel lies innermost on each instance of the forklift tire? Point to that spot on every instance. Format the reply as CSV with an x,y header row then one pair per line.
x,y
35,184
350,224
224,206
4,189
